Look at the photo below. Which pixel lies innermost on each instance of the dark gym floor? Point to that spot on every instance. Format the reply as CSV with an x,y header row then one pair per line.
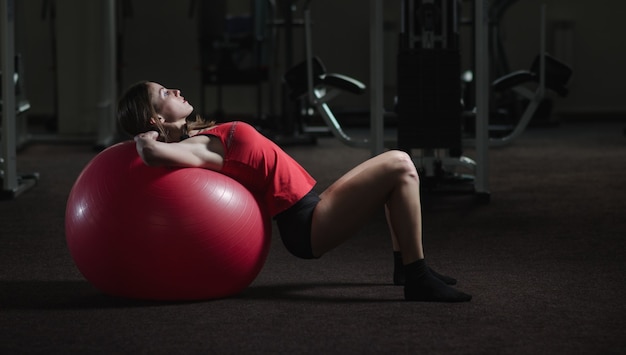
x,y
544,261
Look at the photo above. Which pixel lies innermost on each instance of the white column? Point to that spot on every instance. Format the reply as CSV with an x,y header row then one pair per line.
x,y
86,69
107,100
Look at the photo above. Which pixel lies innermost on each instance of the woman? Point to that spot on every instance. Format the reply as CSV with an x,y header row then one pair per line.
x,y
309,224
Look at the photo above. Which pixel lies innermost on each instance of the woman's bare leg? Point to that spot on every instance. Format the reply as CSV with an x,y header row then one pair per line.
x,y
398,262
389,180
394,240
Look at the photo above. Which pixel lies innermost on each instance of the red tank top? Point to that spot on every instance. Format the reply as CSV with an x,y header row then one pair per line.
x,y
261,166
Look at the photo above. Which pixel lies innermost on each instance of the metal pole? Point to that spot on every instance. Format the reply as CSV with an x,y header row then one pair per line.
x,y
481,23
376,77
8,150
107,96
12,184
542,51
308,41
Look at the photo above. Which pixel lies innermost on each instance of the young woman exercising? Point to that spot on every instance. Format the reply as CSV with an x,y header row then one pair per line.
x,y
309,224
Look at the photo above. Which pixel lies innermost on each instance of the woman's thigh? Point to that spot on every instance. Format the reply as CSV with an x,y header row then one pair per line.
x,y
351,201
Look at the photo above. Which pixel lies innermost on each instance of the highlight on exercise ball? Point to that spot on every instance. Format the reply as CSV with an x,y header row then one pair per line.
x,y
163,234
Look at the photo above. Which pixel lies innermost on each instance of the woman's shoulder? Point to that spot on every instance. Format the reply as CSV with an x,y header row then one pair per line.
x,y
239,128
208,130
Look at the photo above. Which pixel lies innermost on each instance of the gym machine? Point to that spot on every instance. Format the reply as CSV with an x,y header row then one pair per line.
x,y
429,104
233,49
430,110
311,82
247,50
479,165
526,88
429,67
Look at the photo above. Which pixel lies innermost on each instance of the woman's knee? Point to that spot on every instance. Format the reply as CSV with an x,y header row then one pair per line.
x,y
401,164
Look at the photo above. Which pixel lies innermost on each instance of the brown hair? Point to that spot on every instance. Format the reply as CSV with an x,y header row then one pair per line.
x,y
135,109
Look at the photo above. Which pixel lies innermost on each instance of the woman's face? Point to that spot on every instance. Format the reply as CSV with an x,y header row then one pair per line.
x,y
169,104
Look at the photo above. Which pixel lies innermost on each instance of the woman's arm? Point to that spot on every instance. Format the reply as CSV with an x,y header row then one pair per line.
x,y
193,152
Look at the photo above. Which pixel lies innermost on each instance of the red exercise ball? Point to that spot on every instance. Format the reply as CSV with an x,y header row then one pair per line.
x,y
163,234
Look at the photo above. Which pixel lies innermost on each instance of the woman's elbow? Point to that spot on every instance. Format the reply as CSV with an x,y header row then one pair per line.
x,y
148,155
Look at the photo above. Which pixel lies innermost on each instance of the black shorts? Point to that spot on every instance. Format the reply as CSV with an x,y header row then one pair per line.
x,y
294,225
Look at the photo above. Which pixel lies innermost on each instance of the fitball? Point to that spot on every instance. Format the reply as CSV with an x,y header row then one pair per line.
x,y
166,234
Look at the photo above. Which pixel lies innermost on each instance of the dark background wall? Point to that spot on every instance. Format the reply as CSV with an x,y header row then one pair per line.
x,y
160,42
